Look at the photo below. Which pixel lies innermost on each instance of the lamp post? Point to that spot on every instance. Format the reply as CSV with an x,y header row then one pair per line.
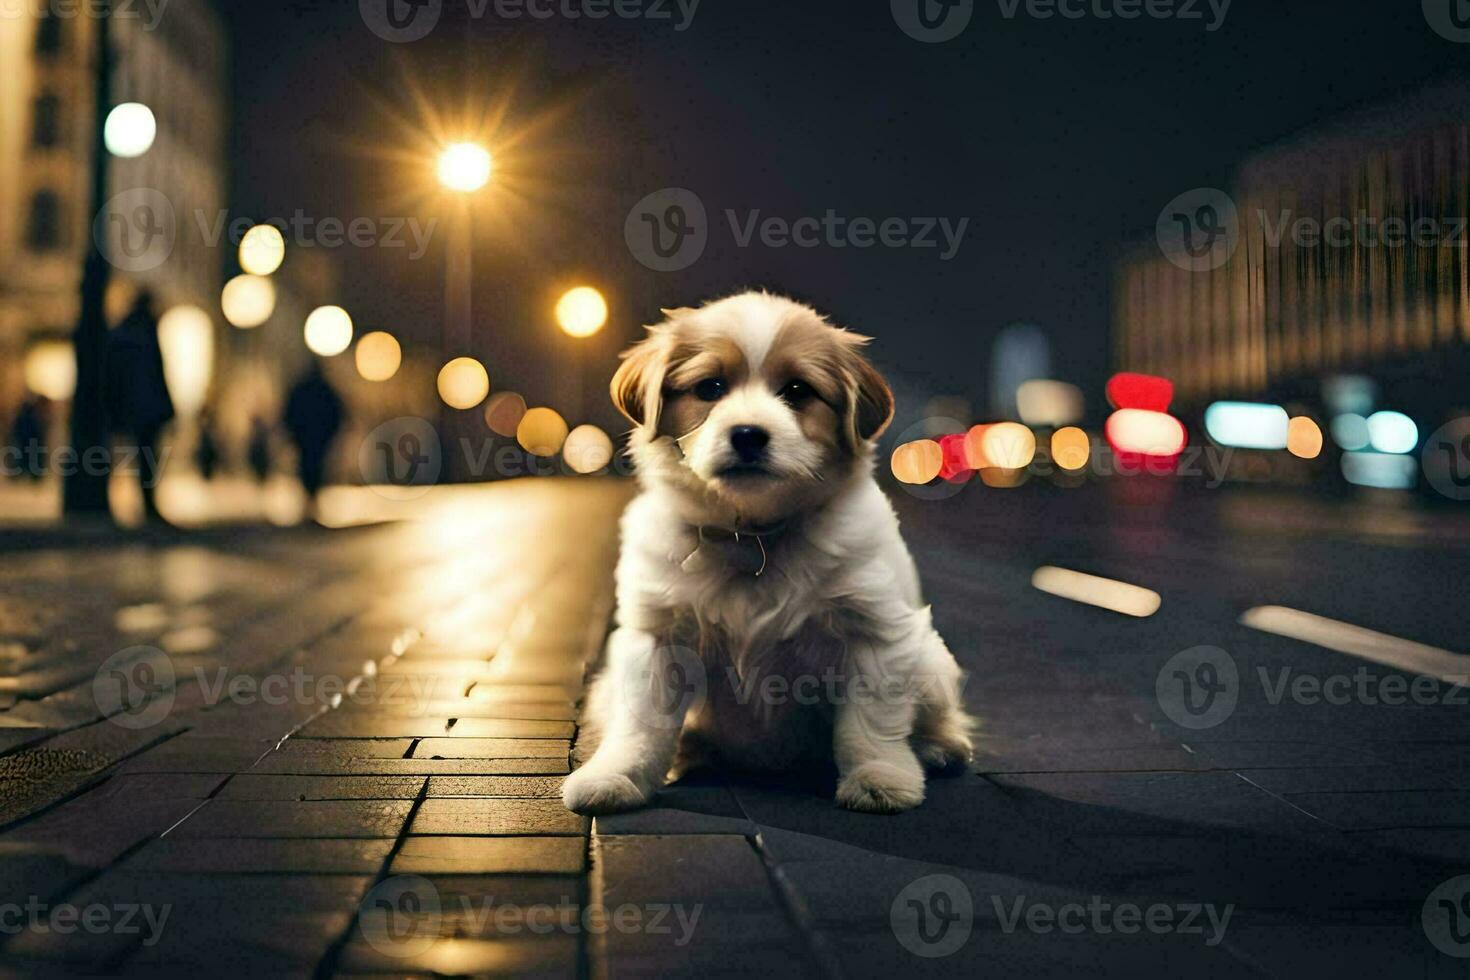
x,y
462,169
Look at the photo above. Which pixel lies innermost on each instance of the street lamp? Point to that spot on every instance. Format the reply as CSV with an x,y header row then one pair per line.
x,y
129,130
581,312
464,167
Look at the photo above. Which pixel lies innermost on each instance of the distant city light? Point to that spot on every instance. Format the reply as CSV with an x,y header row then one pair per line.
x,y
51,370
917,462
1304,438
248,301
1350,432
1247,425
1049,403
542,432
262,250
1349,394
1383,471
581,312
186,337
464,167
1130,600
1071,448
378,356
463,383
503,413
587,449
1143,391
1148,433
956,466
328,331
1008,445
129,130
1392,432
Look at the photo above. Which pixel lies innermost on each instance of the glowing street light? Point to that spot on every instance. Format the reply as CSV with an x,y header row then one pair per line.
x,y
378,356
186,338
328,331
464,167
262,250
248,301
463,383
581,312
129,130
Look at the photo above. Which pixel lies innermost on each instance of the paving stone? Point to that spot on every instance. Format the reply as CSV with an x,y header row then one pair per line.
x,y
280,944
524,787
1046,755
28,869
201,755
248,786
463,709
247,855
1426,843
688,808
1389,809
1358,778
510,728
260,895
1356,950
316,765
492,816
348,748
492,748
542,956
490,855
316,818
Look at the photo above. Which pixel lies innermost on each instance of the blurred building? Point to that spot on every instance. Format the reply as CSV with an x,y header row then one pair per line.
x,y
176,66
1351,258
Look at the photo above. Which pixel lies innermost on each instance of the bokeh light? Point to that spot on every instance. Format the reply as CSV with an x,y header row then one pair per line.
x,y
542,432
186,337
503,413
587,449
1392,432
328,331
129,130
581,312
1381,471
917,462
463,383
1350,432
51,370
1142,391
1148,433
1304,438
1071,448
262,250
1008,445
248,301
378,356
1247,425
1048,403
464,167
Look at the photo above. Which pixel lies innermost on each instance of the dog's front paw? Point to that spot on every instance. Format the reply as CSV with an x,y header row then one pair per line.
x,y
944,753
592,792
880,787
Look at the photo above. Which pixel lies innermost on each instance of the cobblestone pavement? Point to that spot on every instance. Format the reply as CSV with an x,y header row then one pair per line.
x,y
339,753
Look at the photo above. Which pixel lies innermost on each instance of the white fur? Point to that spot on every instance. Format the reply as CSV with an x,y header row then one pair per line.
x,y
838,610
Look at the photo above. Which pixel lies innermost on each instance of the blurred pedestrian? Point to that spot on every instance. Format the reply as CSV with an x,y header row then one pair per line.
x,y
313,416
138,402
206,454
28,438
259,451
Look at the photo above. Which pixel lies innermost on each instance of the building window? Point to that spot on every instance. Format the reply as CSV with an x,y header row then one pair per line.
x,y
46,121
48,35
43,233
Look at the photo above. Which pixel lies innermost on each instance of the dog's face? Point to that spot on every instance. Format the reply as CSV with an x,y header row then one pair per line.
x,y
754,405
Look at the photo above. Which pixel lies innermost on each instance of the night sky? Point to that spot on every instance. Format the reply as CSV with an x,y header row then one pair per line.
x,y
1059,140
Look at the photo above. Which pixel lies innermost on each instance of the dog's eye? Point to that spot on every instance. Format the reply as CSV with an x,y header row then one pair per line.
x,y
796,393
710,389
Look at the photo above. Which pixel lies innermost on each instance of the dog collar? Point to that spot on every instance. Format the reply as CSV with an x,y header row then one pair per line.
x,y
743,548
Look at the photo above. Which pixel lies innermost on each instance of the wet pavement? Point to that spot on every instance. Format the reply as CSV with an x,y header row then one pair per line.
x,y
339,752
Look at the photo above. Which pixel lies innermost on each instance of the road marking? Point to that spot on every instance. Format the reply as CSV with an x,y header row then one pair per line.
x,y
1356,641
1130,600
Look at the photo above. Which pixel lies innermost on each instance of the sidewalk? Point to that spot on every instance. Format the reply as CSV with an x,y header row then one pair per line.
x,y
356,773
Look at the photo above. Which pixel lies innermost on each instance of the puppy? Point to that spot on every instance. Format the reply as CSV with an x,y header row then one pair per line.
x,y
769,615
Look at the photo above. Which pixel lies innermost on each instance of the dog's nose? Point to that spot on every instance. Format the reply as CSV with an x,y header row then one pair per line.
x,y
749,442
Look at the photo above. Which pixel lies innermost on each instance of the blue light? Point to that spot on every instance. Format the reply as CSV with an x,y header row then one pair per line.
x,y
1247,425
1350,432
1383,471
1392,432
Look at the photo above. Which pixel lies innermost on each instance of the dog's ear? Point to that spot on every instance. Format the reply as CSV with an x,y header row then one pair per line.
x,y
637,385
869,399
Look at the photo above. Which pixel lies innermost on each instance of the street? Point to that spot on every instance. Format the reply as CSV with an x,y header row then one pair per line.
x,y
339,752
